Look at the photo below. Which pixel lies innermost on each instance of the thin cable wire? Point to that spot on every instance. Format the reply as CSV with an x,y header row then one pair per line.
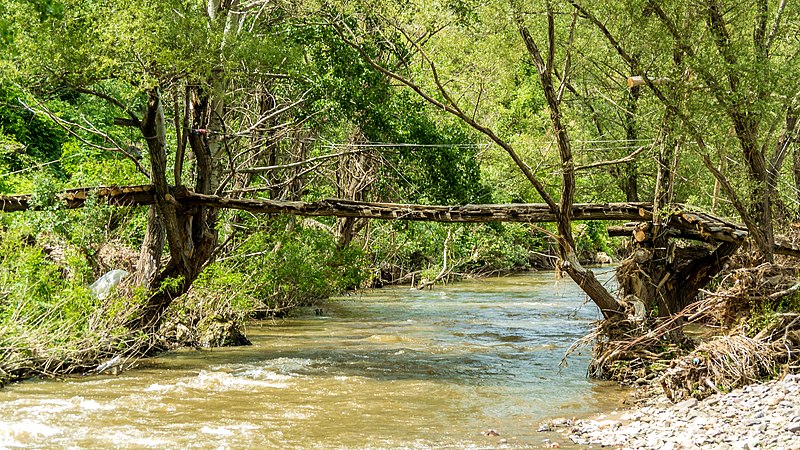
x,y
393,145
593,141
39,166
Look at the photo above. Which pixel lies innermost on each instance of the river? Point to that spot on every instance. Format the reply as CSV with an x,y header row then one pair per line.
x,y
389,368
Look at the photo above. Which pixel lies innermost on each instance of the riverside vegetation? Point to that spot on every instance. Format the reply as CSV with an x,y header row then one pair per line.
x,y
687,113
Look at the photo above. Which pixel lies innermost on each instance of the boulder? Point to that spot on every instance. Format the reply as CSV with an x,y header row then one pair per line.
x,y
216,331
603,258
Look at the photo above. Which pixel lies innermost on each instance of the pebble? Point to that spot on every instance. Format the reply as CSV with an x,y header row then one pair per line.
x,y
793,427
753,417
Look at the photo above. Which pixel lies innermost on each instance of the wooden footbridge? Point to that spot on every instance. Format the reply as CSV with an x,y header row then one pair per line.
x,y
682,222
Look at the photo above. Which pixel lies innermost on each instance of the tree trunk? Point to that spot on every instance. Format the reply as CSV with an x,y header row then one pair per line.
x,y
631,182
152,248
630,179
355,173
608,305
190,232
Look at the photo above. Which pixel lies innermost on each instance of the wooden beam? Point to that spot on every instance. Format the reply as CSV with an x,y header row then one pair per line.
x,y
681,223
785,247
707,225
76,198
514,212
629,229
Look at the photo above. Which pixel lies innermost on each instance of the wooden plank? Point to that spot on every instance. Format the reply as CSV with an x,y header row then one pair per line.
x,y
514,212
76,198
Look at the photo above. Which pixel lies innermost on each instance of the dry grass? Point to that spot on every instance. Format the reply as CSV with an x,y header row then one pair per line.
x,y
630,351
47,346
758,308
735,360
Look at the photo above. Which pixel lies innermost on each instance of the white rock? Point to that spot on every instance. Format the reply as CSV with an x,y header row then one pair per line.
x,y
793,427
687,404
107,282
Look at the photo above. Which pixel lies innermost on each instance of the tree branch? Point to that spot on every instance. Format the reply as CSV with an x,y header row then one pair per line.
x,y
135,121
754,229
301,163
622,160
68,127
526,170
775,26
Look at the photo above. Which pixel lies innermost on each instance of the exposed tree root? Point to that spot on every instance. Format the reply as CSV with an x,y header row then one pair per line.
x,y
760,309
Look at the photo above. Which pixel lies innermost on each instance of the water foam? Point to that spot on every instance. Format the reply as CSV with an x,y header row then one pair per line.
x,y
219,431
25,430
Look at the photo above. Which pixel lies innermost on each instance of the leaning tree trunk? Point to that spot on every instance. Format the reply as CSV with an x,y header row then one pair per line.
x,y
605,301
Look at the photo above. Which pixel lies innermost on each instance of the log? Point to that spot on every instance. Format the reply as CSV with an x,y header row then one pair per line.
x,y
629,229
707,226
681,224
641,232
513,212
786,247
76,198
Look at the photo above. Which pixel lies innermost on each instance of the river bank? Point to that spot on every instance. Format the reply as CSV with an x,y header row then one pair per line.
x,y
753,417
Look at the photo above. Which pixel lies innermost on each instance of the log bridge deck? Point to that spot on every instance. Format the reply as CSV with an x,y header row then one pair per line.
x,y
681,223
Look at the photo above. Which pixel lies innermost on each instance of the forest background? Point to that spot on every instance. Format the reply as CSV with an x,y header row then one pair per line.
x,y
453,102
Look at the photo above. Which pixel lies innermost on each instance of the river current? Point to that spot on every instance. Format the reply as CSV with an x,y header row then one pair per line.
x,y
389,368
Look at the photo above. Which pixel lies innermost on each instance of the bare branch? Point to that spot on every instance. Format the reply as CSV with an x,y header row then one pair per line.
x,y
266,117
775,26
526,170
434,72
567,59
134,118
69,127
301,163
755,231
551,38
622,160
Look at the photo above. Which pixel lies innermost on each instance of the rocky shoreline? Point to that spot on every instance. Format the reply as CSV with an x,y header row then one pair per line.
x,y
760,416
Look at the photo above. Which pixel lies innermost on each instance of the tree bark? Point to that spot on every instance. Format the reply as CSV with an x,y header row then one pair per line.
x,y
563,212
355,173
630,179
149,263
186,199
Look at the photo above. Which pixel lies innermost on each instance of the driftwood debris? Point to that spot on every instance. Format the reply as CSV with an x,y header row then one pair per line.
x,y
699,226
687,225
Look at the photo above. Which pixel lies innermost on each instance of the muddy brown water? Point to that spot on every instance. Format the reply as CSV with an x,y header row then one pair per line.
x,y
389,368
